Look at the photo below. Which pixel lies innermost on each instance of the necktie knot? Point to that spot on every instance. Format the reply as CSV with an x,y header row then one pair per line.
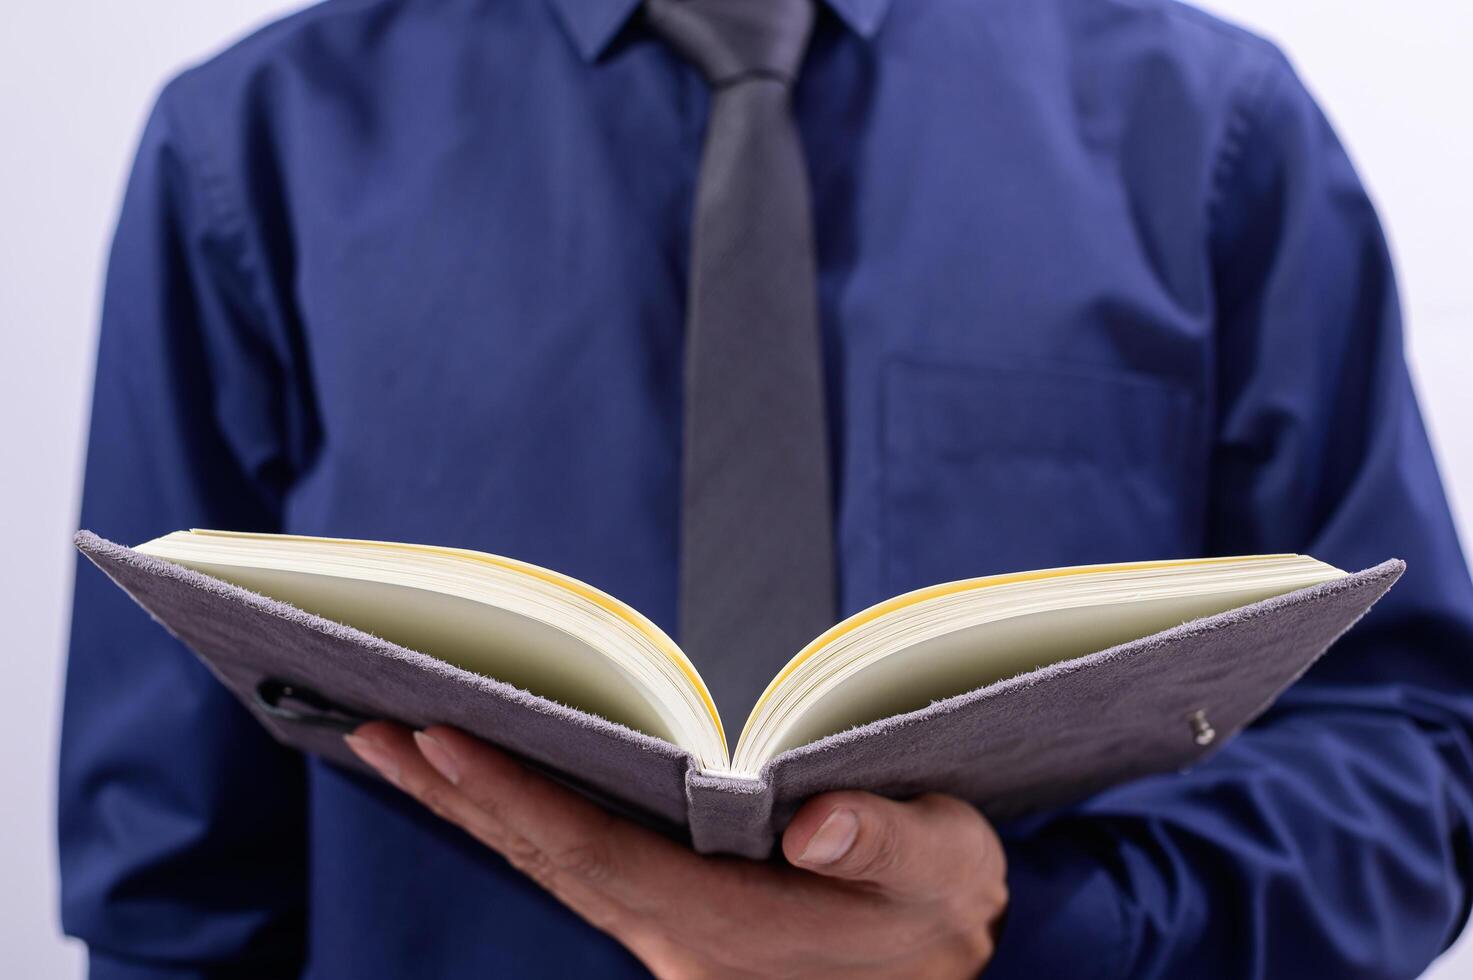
x,y
729,40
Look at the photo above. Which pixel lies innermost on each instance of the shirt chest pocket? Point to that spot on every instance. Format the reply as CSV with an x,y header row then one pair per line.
x,y
1016,465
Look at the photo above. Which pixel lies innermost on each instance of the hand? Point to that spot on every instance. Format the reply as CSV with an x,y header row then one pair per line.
x,y
874,888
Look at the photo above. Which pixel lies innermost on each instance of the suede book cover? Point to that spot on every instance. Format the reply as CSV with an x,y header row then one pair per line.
x,y
1044,738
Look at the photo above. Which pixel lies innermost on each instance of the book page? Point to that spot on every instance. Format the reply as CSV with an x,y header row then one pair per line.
x,y
472,635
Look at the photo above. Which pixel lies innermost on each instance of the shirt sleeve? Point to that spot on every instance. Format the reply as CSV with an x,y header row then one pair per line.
x,y
181,823
1331,838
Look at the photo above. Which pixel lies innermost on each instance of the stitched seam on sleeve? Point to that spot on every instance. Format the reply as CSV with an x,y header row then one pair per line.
x,y
222,215
1244,121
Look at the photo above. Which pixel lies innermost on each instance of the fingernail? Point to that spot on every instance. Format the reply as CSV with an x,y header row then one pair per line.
x,y
834,838
437,755
373,754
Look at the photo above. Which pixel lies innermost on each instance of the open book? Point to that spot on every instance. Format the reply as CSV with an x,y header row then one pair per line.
x,y
459,617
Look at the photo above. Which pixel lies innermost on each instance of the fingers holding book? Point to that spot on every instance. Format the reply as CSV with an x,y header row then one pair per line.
x,y
872,887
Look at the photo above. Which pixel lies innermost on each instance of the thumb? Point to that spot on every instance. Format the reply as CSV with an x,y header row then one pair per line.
x,y
921,847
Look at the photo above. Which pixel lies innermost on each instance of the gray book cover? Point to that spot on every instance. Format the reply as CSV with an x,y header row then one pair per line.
x,y
1044,738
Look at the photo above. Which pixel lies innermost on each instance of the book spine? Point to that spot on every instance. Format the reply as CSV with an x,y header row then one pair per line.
x,y
729,815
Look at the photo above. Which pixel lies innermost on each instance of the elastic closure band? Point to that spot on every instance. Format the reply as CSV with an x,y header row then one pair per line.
x,y
290,702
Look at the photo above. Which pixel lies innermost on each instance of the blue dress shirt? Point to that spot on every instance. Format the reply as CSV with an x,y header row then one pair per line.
x,y
1098,283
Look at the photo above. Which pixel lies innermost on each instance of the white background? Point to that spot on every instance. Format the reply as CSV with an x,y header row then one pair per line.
x,y
76,78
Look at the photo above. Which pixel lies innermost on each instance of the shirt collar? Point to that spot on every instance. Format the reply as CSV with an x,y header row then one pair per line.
x,y
592,24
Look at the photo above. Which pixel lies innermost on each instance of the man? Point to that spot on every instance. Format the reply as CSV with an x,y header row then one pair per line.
x,y
1042,282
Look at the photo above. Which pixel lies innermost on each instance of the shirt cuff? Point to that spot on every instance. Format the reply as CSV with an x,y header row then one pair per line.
x,y
1064,917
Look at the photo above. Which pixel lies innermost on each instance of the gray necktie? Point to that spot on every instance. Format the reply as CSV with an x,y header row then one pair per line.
x,y
757,559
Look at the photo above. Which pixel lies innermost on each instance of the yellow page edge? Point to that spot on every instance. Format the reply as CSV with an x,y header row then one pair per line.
x,y
602,599
846,626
